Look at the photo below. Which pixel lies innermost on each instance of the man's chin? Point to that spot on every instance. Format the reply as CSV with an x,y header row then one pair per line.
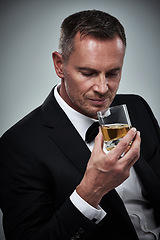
x,y
92,113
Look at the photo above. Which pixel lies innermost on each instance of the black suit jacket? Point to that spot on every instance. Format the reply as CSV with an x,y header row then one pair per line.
x,y
43,159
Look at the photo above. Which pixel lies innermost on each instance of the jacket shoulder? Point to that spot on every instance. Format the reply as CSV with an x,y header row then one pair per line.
x,y
24,126
124,98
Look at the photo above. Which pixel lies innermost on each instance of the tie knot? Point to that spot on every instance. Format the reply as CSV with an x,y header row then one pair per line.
x,y
92,132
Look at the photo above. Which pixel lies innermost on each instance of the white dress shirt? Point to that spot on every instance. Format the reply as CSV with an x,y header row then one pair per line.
x,y
130,190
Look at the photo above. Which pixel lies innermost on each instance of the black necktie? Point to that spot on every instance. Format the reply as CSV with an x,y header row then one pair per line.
x,y
92,132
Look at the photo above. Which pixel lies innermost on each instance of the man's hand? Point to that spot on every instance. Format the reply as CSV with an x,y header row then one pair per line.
x,y
105,172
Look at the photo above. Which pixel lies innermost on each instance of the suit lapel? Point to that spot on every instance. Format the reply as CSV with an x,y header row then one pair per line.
x,y
148,179
70,142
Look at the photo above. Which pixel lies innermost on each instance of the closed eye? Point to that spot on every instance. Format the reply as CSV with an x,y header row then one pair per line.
x,y
87,74
112,74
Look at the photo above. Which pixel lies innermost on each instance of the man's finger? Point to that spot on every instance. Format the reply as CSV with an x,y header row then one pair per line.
x,y
99,140
122,146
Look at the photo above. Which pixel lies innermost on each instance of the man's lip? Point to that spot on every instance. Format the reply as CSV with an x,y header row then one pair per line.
x,y
98,101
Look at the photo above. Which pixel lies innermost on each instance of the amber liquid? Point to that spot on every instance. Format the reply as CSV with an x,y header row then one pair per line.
x,y
113,133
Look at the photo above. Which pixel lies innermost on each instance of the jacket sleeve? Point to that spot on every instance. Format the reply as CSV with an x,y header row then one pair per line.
x,y
28,205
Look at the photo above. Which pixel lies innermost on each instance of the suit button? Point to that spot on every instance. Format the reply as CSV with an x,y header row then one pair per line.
x,y
81,230
77,235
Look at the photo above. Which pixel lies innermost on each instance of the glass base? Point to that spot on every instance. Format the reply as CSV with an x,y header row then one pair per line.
x,y
112,144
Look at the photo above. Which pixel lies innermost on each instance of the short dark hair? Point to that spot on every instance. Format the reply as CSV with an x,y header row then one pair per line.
x,y
100,25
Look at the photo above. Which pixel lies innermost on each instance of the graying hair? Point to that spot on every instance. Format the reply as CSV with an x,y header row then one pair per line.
x,y
100,25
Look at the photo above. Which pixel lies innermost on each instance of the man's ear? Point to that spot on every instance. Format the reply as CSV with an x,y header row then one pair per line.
x,y
58,63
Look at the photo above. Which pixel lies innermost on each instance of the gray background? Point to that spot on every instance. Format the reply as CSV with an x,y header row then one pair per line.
x,y
30,32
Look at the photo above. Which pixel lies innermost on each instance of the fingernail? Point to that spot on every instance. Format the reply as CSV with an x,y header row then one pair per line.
x,y
134,129
138,132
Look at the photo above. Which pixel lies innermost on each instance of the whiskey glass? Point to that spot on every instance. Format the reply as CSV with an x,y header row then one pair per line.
x,y
115,123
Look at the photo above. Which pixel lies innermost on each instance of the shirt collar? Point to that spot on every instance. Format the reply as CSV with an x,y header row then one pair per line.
x,y
80,121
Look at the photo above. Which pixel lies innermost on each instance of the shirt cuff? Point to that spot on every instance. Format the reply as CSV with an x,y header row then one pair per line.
x,y
94,214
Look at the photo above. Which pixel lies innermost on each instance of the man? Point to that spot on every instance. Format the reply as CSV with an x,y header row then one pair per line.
x,y
52,186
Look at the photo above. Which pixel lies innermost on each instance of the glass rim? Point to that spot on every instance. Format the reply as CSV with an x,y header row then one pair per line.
x,y
107,112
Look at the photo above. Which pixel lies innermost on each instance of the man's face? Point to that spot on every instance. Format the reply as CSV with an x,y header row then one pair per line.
x,y
92,74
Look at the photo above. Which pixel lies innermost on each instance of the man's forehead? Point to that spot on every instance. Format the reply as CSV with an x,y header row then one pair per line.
x,y
90,36
94,47
91,43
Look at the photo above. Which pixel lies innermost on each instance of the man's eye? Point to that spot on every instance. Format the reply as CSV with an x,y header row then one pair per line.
x,y
87,74
112,74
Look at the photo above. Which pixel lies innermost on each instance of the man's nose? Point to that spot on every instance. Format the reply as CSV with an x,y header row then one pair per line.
x,y
101,85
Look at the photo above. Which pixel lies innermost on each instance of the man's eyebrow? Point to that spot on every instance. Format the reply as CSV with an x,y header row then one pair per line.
x,y
87,69
95,70
114,69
